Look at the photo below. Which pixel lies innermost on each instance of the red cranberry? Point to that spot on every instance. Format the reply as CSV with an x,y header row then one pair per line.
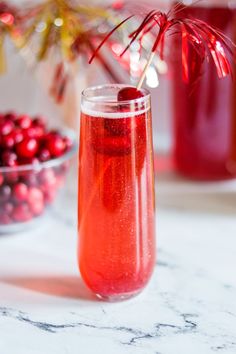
x,y
55,145
24,121
8,141
68,142
27,148
1,179
18,135
5,219
44,155
47,177
37,207
129,93
6,127
21,213
11,116
29,161
60,181
36,200
20,192
49,195
8,207
30,179
34,194
9,159
39,121
12,177
5,193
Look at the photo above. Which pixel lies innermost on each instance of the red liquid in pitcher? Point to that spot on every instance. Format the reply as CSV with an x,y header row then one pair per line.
x,y
116,203
204,112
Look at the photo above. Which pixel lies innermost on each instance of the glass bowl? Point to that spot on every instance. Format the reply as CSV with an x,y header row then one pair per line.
x,y
27,191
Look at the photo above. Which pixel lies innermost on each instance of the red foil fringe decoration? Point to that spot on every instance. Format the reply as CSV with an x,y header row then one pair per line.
x,y
206,40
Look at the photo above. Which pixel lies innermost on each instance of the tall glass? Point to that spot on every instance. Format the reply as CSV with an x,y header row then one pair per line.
x,y
116,193
204,112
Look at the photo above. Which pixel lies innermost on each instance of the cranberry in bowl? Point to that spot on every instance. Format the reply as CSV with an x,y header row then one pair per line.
x,y
34,161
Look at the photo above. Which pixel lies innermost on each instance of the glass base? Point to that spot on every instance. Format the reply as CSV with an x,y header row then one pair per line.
x,y
118,297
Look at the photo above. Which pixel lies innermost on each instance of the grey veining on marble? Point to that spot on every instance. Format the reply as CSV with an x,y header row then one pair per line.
x,y
189,306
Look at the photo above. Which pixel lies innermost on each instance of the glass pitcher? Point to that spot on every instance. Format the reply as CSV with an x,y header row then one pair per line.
x,y
205,112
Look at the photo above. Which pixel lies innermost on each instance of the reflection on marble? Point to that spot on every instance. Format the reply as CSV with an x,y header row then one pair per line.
x,y
188,307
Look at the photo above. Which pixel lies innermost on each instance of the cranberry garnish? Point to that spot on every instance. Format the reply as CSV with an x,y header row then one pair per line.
x,y
21,213
9,159
27,148
129,93
6,127
24,122
20,192
55,145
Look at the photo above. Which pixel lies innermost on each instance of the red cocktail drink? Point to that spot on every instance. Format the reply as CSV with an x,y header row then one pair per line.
x,y
116,194
204,111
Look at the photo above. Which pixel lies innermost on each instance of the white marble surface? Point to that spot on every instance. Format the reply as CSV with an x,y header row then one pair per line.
x,y
189,306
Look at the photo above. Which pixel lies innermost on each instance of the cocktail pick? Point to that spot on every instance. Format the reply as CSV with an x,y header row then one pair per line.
x,y
206,40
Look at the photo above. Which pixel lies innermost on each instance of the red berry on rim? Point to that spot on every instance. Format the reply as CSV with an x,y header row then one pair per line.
x,y
6,127
27,148
55,145
129,93
20,192
24,121
21,213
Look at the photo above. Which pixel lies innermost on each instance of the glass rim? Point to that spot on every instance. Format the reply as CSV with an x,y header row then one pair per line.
x,y
92,99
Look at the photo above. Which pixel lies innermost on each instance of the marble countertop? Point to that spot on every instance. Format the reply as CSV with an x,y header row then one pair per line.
x,y
189,306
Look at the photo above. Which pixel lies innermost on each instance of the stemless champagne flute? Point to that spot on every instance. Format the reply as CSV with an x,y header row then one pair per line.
x,y
116,193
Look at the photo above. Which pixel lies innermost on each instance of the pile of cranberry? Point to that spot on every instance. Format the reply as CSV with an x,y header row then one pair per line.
x,y
24,193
